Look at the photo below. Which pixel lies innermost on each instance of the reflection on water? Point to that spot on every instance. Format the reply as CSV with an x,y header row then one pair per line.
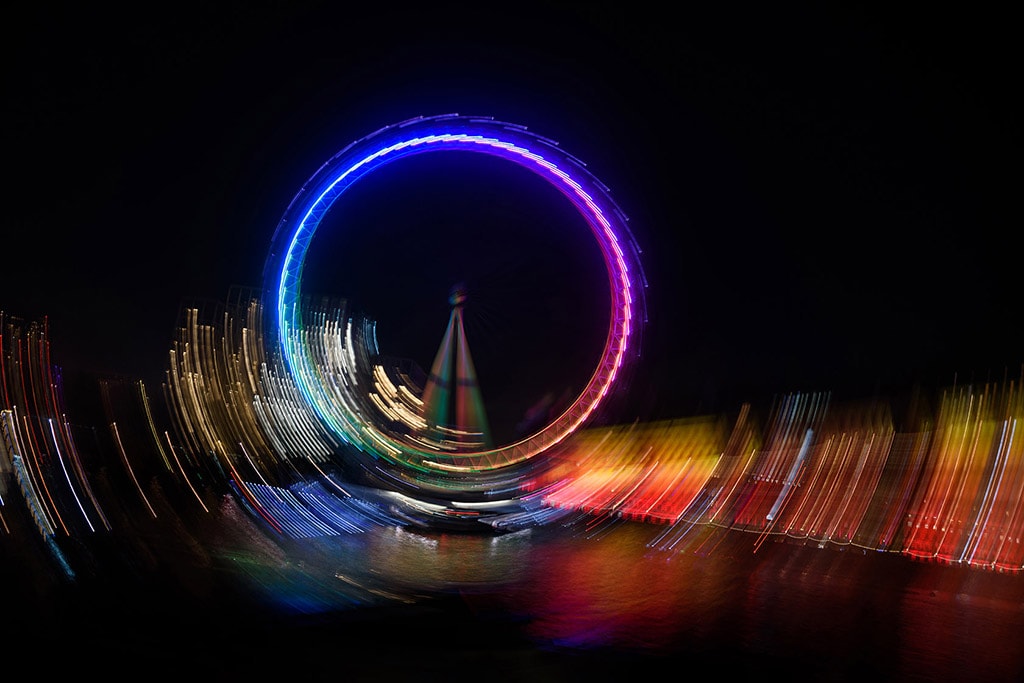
x,y
574,599
822,614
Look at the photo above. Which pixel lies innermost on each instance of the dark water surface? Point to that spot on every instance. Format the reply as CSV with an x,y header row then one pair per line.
x,y
219,599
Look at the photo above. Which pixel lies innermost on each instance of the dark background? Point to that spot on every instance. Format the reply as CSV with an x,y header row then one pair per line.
x,y
826,197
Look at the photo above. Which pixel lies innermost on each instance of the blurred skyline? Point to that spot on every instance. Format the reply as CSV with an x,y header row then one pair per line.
x,y
823,196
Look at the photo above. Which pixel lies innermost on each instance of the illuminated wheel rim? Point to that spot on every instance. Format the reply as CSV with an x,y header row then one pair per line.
x,y
452,133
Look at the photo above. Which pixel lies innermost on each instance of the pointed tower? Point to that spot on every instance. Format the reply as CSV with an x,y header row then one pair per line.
x,y
454,410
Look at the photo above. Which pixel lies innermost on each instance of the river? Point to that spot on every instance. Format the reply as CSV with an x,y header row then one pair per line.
x,y
215,596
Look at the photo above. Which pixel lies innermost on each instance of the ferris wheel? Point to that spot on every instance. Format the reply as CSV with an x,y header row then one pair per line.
x,y
330,357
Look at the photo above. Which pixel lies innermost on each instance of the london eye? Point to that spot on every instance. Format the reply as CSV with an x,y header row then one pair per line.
x,y
331,351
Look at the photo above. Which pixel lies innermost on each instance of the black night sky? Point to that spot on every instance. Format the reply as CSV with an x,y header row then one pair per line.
x,y
826,198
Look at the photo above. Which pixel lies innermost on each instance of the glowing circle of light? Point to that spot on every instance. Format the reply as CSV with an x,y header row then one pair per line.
x,y
481,135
